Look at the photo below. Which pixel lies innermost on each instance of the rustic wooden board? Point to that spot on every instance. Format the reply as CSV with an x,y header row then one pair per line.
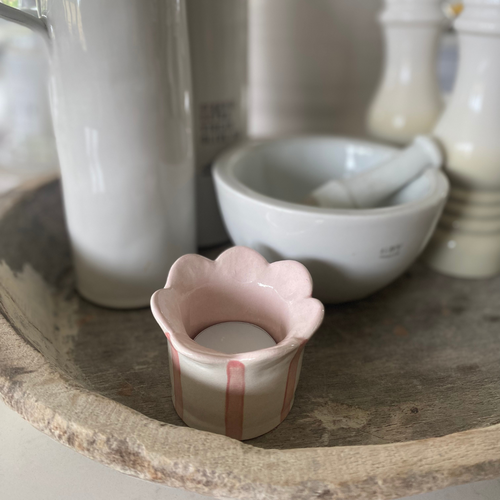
x,y
399,393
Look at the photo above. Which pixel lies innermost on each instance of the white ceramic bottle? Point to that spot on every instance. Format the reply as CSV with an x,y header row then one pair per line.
x,y
120,91
408,101
218,36
467,241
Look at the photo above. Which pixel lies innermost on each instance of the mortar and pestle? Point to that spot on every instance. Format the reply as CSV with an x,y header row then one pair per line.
x,y
375,207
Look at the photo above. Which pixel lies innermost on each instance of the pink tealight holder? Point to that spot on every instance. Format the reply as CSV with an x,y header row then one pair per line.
x,y
238,394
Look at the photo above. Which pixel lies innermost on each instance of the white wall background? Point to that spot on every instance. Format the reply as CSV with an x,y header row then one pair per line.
x,y
314,65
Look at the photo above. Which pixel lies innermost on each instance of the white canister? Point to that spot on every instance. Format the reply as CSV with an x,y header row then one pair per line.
x,y
408,101
467,241
120,90
219,54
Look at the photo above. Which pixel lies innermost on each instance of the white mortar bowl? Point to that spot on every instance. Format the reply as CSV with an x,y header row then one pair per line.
x,y
349,253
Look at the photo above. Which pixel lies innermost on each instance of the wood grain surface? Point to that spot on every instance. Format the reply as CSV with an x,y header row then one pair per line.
x,y
399,393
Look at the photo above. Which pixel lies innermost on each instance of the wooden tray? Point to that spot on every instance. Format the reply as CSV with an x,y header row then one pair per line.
x,y
399,394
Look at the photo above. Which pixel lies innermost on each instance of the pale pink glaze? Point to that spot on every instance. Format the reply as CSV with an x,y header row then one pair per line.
x,y
239,286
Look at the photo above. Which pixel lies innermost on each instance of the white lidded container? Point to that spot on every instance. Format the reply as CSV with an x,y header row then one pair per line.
x,y
218,34
408,101
467,241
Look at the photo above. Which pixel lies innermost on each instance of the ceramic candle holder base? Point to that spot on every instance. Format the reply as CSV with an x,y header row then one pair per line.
x,y
238,395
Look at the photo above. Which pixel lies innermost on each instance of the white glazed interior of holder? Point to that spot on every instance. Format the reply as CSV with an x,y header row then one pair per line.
x,y
235,337
350,253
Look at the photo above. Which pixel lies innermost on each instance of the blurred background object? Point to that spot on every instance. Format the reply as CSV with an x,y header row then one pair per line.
x,y
453,8
448,62
315,65
27,136
218,35
467,241
408,101
27,144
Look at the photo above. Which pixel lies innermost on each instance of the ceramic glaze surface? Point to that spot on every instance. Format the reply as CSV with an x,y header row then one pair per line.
x,y
408,101
349,253
467,242
120,91
218,38
239,395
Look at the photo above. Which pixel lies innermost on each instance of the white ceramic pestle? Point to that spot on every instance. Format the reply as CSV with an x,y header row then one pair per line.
x,y
370,188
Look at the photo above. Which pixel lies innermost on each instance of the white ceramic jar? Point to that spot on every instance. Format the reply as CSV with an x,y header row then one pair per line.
x,y
219,56
120,90
467,241
408,101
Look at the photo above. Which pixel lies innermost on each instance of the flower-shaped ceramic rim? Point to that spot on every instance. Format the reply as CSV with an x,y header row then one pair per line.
x,y
309,311
224,173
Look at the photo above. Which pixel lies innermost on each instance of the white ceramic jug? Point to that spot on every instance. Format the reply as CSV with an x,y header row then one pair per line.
x,y
408,101
218,37
467,241
120,92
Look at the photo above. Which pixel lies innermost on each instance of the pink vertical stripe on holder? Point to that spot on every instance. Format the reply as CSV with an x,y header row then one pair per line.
x,y
291,382
176,368
235,398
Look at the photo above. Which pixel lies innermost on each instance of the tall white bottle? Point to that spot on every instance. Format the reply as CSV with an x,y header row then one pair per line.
x,y
218,35
408,101
467,241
